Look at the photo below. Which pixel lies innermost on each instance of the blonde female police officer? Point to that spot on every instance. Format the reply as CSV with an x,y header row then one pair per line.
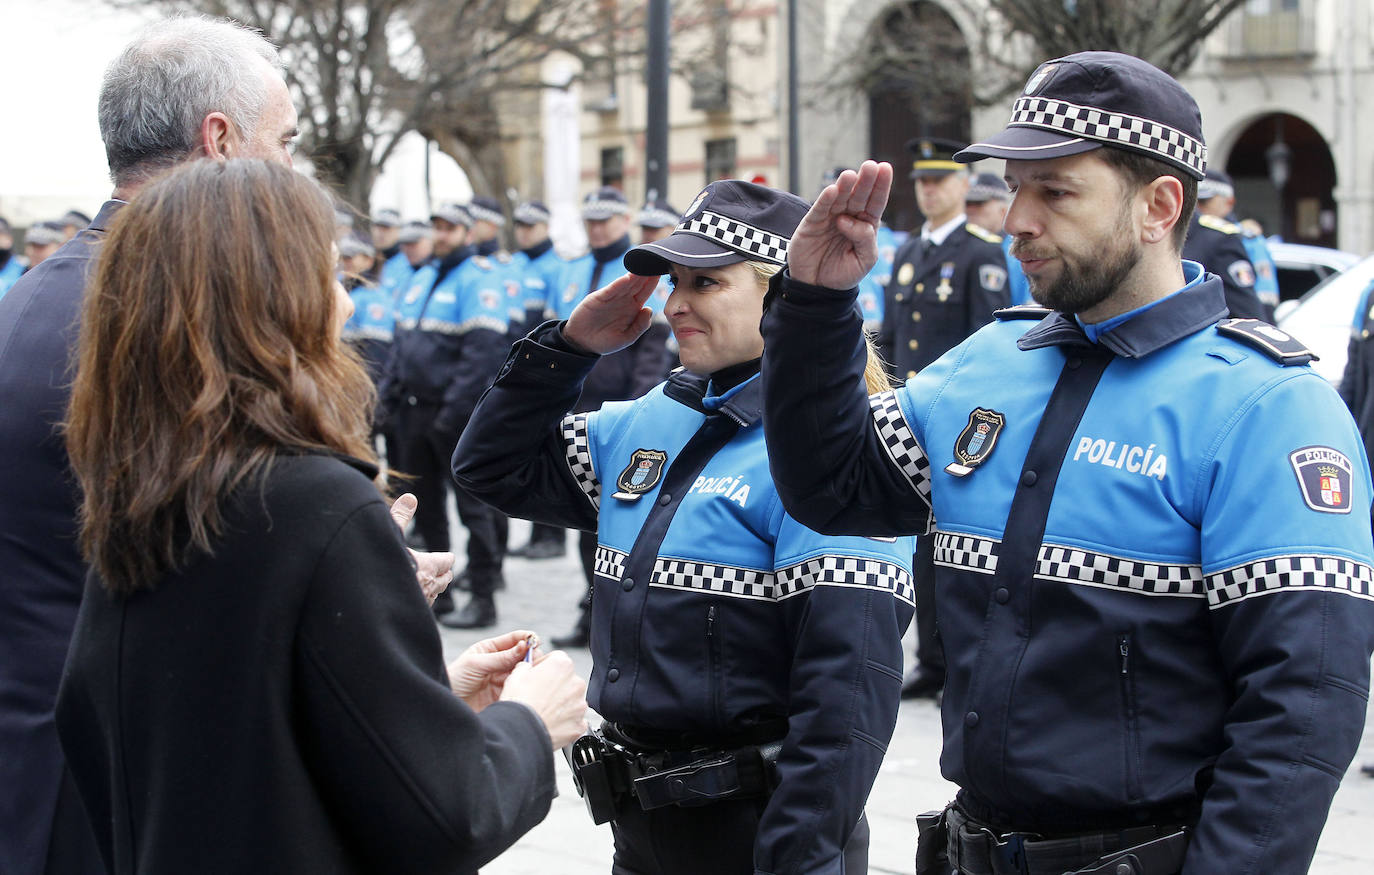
x,y
754,663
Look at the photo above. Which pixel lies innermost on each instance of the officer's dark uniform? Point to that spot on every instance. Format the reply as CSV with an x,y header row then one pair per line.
x,y
941,290
726,638
1218,245
1155,554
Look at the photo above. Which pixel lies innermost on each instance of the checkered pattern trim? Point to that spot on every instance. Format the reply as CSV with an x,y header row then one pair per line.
x,y
739,236
609,563
653,217
529,214
850,571
1075,565
484,214
900,442
966,552
1320,573
1168,143
442,326
745,583
578,452
603,209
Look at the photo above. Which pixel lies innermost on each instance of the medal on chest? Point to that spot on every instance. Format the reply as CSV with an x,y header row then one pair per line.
x,y
905,274
944,290
976,442
641,475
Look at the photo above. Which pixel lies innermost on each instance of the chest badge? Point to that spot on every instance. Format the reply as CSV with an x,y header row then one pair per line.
x,y
944,290
976,442
1325,477
905,274
641,475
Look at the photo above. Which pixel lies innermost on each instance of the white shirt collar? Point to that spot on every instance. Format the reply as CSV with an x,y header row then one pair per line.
x,y
940,234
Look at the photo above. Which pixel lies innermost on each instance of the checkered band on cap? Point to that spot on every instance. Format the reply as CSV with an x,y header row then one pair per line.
x,y
653,217
744,238
531,214
1117,129
481,213
604,207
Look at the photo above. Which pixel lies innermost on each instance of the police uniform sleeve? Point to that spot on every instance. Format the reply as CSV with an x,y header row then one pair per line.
x,y
987,288
848,602
843,463
381,730
522,452
1285,533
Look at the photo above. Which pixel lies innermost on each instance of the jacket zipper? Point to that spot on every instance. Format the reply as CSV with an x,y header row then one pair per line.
x,y
713,663
1131,733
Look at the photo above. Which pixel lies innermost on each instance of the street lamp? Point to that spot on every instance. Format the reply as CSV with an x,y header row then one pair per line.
x,y
1279,158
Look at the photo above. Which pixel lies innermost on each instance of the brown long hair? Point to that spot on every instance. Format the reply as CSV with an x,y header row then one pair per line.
x,y
209,342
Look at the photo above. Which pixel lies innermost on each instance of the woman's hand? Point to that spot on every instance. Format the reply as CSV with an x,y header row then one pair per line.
x,y
433,571
551,687
613,317
478,676
836,244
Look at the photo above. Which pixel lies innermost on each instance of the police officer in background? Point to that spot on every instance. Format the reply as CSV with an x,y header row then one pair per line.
x,y
448,343
386,229
656,220
11,266
1219,246
370,327
42,240
1216,197
621,375
73,221
540,269
948,280
986,206
1153,522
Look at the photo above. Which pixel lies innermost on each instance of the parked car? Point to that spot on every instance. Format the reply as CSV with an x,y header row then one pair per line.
x,y
1323,318
1301,267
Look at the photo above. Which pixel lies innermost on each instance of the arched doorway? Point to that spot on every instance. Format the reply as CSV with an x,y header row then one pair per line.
x,y
1304,210
917,75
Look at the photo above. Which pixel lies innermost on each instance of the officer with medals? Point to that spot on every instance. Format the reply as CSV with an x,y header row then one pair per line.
x,y
1151,521
949,279
986,206
450,338
1219,246
748,668
627,373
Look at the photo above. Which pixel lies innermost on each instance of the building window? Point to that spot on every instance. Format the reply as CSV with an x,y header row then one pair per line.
x,y
1271,29
613,166
720,159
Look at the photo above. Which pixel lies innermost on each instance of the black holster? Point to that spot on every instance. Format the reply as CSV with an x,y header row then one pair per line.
x,y
932,843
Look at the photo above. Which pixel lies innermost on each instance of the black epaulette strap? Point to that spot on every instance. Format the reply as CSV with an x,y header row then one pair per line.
x,y
1023,311
1276,343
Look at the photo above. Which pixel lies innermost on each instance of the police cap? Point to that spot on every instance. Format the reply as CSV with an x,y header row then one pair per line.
x,y
414,231
657,214
487,209
46,233
987,187
1215,184
75,219
352,245
454,214
386,218
343,217
603,203
934,156
1092,99
531,213
730,221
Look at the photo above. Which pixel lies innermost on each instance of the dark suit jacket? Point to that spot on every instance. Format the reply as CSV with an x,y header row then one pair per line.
x,y
283,705
41,571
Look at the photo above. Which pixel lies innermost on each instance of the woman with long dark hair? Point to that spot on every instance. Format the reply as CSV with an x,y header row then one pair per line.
x,y
255,682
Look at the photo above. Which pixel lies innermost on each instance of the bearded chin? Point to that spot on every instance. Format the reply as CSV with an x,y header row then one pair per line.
x,y
1082,286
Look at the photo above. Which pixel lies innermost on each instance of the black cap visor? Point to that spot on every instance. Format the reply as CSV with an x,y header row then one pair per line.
x,y
1027,144
680,247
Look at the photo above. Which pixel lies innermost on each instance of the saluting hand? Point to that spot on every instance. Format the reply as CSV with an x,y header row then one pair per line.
x,y
836,244
613,317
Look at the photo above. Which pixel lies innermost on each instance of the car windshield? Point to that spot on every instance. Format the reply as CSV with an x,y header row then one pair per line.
x,y
1323,317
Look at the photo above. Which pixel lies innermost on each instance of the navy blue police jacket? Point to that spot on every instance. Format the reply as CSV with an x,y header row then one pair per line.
x,y
1153,577
1219,246
448,342
713,611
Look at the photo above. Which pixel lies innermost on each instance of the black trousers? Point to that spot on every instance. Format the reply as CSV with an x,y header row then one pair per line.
x,y
930,652
425,454
541,532
716,838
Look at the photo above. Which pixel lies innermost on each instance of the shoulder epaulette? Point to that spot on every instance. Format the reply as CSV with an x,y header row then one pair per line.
x,y
1279,345
482,261
503,256
982,233
1023,311
1216,223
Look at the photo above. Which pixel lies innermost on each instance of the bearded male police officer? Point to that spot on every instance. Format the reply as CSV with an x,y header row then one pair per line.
x,y
1219,246
1153,522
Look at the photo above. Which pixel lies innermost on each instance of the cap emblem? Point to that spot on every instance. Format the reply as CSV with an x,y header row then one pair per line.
x,y
1039,78
696,204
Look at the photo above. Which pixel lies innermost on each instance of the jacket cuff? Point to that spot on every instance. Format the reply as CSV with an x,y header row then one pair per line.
x,y
545,357
816,302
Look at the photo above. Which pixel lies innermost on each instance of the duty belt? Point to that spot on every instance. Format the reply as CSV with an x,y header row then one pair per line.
x,y
608,770
975,849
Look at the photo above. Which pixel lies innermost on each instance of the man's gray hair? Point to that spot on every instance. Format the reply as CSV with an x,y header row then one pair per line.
x,y
162,86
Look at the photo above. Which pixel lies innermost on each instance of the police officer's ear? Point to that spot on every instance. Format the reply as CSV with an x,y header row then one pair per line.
x,y
1161,208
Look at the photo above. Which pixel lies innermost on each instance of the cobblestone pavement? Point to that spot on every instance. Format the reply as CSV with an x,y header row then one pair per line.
x,y
542,595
